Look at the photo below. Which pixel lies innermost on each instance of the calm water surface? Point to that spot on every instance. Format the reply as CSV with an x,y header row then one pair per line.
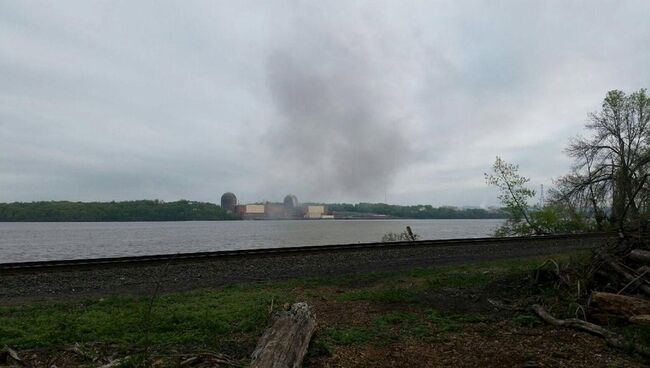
x,y
45,241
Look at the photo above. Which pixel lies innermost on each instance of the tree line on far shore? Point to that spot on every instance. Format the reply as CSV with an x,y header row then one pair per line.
x,y
142,210
183,210
417,211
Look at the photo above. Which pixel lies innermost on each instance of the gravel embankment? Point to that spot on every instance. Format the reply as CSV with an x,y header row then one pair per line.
x,y
24,286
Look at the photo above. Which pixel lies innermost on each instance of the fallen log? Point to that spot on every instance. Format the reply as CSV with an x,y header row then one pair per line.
x,y
577,324
637,280
643,319
621,305
640,255
285,343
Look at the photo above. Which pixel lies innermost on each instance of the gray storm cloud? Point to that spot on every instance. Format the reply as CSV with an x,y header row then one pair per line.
x,y
332,101
338,127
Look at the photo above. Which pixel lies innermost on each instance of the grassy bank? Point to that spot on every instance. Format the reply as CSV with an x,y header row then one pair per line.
x,y
368,312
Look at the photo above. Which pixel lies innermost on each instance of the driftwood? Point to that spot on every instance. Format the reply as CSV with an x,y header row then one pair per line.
x,y
639,255
578,324
621,305
285,343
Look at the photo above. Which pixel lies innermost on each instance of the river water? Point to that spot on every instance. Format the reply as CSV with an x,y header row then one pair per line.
x,y
30,241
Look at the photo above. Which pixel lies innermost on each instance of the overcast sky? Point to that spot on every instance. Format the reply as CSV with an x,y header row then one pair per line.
x,y
329,100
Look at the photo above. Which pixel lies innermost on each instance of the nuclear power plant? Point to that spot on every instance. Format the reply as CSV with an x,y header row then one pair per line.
x,y
289,209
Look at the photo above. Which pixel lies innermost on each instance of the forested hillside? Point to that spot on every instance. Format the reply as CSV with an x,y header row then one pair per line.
x,y
417,212
142,210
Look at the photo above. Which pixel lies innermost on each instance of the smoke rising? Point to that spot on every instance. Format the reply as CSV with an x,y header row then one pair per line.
x,y
339,129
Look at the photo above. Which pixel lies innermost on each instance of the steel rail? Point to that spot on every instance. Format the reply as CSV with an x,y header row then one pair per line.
x,y
196,256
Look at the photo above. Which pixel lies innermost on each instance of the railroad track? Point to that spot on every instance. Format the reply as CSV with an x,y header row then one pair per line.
x,y
181,257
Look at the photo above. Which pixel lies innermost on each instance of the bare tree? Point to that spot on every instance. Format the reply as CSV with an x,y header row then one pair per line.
x,y
610,172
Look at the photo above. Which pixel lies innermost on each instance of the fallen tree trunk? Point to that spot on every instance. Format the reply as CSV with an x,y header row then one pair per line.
x,y
610,338
639,255
285,343
621,305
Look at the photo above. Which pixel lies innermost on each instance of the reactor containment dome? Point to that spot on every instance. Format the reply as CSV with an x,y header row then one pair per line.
x,y
228,201
290,201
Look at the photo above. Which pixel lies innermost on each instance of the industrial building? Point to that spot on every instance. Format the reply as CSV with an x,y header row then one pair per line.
x,y
289,209
251,211
312,212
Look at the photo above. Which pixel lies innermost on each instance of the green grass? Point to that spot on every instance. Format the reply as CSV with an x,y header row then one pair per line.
x,y
639,334
404,287
395,325
348,336
230,319
465,279
212,318
391,295
384,329
396,318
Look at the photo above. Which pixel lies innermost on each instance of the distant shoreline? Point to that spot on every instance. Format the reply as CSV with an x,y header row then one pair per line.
x,y
257,220
184,210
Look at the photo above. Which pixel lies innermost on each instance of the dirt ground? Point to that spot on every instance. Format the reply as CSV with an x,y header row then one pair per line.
x,y
496,345
496,341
